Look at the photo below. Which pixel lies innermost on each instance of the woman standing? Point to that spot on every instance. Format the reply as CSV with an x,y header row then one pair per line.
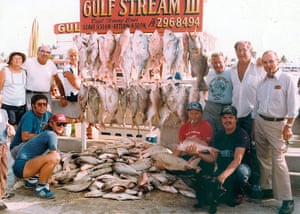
x,y
71,79
12,85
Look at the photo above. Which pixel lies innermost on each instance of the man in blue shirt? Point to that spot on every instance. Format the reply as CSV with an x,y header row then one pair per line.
x,y
31,125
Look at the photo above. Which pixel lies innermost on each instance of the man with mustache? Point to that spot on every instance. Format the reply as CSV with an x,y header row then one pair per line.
x,y
232,149
276,110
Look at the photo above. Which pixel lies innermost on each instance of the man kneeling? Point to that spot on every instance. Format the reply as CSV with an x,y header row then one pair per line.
x,y
32,158
232,173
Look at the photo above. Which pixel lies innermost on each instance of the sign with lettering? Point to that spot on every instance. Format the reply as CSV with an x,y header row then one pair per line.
x,y
70,27
146,15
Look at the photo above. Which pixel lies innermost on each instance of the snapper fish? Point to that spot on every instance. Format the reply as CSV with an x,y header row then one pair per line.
x,y
192,142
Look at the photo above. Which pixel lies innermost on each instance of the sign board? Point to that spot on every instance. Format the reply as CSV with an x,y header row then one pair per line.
x,y
146,15
69,27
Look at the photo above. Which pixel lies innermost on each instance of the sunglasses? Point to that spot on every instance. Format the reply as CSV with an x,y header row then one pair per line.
x,y
42,104
61,124
45,52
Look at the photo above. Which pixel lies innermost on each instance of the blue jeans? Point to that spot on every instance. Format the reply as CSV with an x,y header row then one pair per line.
x,y
236,182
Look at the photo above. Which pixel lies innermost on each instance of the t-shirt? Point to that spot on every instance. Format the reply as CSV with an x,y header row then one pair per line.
x,y
219,87
30,123
39,77
202,131
226,144
3,122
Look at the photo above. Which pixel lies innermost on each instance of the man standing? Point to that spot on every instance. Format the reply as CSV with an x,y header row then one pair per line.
x,y
219,91
276,111
246,76
40,75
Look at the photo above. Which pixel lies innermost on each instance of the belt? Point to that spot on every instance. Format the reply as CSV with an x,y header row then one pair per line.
x,y
36,92
275,119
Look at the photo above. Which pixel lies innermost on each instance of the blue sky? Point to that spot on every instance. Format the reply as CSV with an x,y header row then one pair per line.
x,y
268,24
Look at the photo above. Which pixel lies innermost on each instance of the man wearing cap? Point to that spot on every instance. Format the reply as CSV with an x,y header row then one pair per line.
x,y
197,131
277,108
32,158
232,148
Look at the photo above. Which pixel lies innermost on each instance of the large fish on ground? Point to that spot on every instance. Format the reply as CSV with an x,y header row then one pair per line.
x,y
170,162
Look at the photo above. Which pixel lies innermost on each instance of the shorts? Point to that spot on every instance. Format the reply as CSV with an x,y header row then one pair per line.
x,y
14,151
18,167
14,113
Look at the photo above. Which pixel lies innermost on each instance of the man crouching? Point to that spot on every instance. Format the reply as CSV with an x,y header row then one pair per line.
x,y
33,158
232,174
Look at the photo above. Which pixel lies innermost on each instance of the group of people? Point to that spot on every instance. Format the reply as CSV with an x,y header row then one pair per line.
x,y
26,117
248,116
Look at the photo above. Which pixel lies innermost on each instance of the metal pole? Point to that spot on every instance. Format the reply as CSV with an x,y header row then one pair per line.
x,y
83,136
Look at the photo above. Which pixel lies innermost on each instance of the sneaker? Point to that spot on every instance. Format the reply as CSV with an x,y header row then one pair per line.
x,y
31,183
2,205
287,207
44,192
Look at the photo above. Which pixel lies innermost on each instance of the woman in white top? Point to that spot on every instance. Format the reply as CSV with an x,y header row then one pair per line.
x,y
12,87
71,80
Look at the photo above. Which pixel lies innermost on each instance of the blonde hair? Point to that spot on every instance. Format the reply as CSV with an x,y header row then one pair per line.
x,y
72,50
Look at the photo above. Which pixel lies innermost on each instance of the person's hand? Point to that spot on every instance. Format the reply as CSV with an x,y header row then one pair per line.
x,y
63,102
191,149
287,133
10,130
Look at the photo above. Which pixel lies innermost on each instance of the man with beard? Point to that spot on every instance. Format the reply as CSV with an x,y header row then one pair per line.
x,y
232,149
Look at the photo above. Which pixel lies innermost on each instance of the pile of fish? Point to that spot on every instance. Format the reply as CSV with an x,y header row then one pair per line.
x,y
122,170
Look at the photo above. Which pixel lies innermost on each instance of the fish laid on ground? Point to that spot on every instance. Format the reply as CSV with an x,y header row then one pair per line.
x,y
87,159
142,164
77,186
97,193
122,168
101,171
170,161
121,196
154,150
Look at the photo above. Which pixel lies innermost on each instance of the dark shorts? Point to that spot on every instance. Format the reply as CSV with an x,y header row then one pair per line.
x,y
14,113
18,168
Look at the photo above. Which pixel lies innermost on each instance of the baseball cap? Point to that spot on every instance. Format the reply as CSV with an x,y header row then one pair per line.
x,y
59,118
194,106
228,109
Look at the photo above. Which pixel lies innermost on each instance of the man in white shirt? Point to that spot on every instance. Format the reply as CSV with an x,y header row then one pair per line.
x,y
245,77
276,110
40,75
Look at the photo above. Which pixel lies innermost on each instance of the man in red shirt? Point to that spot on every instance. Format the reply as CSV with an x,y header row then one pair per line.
x,y
199,133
